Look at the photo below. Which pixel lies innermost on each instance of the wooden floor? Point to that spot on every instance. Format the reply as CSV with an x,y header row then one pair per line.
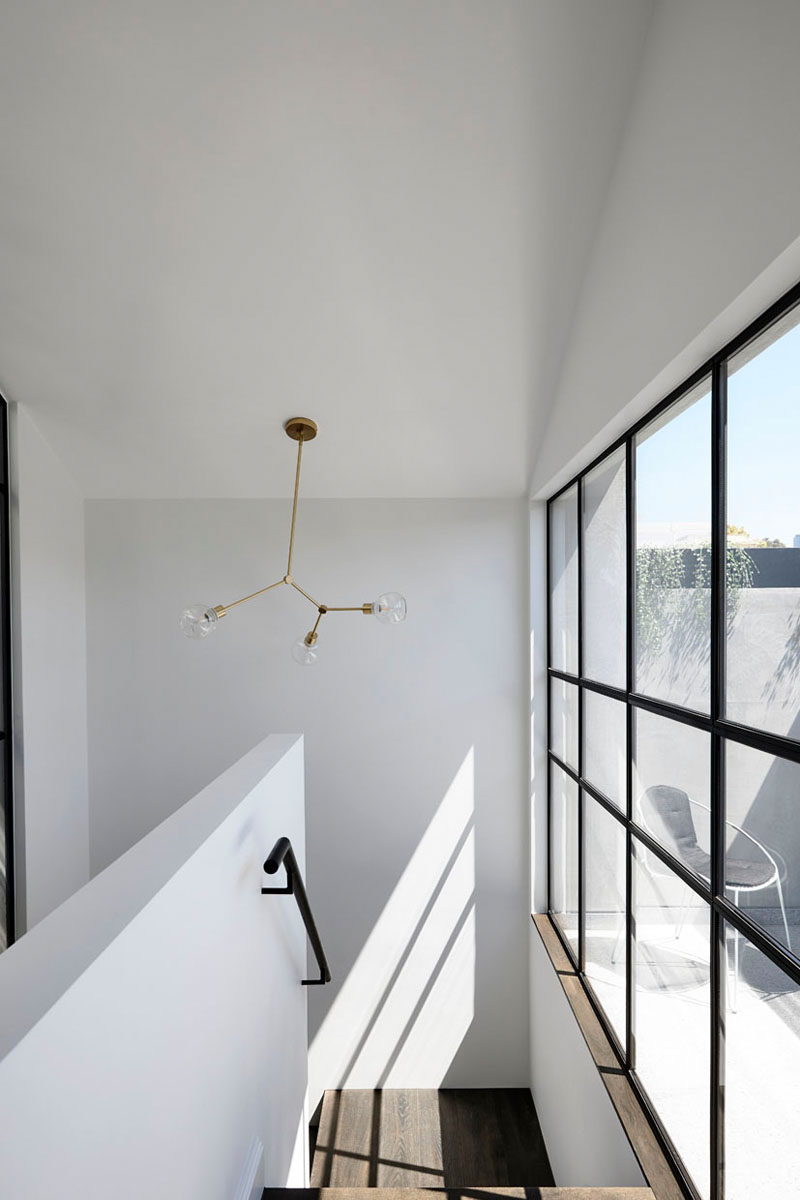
x,y
398,1138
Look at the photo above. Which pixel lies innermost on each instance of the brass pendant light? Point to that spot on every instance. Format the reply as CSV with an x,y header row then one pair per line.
x,y
200,620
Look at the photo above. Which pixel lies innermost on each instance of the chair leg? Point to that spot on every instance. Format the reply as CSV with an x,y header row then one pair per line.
x,y
783,912
735,1005
735,990
687,896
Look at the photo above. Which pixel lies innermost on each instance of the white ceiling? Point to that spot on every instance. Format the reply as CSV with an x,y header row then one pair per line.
x,y
376,213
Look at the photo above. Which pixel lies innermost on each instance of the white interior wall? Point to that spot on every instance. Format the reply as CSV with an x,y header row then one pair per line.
x,y
49,603
700,229
585,1141
415,745
537,710
153,1039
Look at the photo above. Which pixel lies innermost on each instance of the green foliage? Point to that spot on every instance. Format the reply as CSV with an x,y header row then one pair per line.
x,y
740,531
665,573
739,572
658,569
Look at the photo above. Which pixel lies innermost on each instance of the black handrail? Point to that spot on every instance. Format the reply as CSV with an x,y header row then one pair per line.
x,y
282,852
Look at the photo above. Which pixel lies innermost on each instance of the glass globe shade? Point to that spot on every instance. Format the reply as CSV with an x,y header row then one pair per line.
x,y
198,621
303,654
391,608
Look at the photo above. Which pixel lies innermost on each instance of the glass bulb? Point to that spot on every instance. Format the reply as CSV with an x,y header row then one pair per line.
x,y
304,654
391,608
198,621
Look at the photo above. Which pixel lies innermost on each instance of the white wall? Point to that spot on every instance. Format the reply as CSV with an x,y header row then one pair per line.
x,y
585,1140
51,775
538,708
415,742
154,1026
702,203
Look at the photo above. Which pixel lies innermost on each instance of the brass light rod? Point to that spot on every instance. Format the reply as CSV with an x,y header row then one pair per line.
x,y
199,620
222,609
299,429
294,503
297,588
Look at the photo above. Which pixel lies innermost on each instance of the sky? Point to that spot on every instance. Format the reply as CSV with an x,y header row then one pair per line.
x,y
673,466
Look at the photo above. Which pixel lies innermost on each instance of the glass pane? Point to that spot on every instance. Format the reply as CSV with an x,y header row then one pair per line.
x,y
564,853
672,1007
762,844
673,555
605,911
605,745
671,788
564,582
762,1070
763,544
604,571
564,721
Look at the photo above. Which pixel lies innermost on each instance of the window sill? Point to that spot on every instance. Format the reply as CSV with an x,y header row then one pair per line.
x,y
654,1163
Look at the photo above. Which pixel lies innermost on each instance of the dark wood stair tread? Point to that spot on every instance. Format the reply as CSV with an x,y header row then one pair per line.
x,y
423,1138
495,1193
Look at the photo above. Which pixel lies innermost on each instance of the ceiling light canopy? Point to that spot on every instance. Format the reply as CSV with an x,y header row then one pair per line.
x,y
199,620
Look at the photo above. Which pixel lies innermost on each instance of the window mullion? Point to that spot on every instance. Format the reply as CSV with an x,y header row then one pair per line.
x,y
630,628
7,815
548,717
718,956
581,795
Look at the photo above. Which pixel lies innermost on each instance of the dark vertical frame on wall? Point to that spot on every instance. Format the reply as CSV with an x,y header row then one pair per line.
x,y
630,749
721,730
6,739
717,964
581,771
548,718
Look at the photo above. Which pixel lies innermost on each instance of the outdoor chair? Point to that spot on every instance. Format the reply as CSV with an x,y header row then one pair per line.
x,y
666,814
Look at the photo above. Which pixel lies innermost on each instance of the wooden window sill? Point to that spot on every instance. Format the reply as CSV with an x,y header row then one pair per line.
x,y
653,1161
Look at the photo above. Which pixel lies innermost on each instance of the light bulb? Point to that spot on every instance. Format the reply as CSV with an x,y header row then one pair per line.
x,y
391,608
198,621
304,654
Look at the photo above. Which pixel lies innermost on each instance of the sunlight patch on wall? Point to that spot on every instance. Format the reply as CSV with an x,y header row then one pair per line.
x,y
422,946
426,959
446,1013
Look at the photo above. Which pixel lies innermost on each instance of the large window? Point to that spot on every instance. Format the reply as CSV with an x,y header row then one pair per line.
x,y
674,747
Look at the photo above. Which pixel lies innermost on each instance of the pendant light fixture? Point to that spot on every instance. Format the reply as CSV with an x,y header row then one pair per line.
x,y
200,620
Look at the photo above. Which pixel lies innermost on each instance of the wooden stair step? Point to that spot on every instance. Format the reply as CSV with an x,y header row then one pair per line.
x,y
424,1138
495,1193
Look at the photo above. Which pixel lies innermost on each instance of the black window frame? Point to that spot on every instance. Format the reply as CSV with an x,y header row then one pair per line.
x,y
6,706
719,728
